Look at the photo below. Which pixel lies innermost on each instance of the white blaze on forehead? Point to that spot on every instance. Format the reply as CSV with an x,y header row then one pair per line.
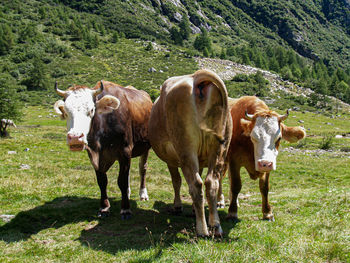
x,y
264,136
80,108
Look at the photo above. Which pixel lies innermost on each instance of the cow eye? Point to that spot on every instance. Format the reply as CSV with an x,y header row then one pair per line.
x,y
91,113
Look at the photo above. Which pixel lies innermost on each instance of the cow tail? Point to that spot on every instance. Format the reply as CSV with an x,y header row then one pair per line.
x,y
204,75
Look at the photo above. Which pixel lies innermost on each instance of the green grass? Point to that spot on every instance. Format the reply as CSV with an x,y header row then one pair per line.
x,y
55,204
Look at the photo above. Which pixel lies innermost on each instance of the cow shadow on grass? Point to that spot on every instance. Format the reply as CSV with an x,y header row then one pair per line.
x,y
152,227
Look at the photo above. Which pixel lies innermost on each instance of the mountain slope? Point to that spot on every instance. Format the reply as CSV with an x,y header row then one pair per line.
x,y
315,29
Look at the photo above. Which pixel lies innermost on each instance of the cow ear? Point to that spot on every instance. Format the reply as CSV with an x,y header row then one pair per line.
x,y
246,126
59,109
107,104
292,134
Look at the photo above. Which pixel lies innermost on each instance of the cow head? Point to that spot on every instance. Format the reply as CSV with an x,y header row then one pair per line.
x,y
79,106
266,130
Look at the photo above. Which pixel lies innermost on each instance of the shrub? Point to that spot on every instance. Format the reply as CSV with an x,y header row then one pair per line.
x,y
327,141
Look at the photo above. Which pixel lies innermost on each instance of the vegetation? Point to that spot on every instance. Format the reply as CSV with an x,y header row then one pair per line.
x,y
52,193
10,107
307,42
55,201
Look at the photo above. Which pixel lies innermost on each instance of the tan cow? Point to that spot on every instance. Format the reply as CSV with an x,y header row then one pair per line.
x,y
256,135
190,127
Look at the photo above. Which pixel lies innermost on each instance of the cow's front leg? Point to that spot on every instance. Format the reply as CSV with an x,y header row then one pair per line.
x,y
104,202
264,190
142,170
123,183
211,190
176,181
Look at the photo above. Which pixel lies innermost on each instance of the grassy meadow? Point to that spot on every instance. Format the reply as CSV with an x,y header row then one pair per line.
x,y
55,201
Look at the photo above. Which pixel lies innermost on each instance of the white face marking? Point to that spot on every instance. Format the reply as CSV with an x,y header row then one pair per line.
x,y
80,108
264,136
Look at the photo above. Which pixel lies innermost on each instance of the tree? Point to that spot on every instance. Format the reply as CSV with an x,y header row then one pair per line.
x,y
202,41
185,29
175,35
37,76
6,39
9,101
115,37
223,53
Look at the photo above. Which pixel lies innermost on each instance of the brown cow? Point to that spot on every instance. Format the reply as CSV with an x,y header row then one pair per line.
x,y
111,123
190,127
256,135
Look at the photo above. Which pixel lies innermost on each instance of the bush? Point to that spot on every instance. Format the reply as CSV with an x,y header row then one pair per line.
x,y
327,142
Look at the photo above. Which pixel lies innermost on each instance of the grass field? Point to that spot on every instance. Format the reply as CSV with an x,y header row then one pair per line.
x,y
55,201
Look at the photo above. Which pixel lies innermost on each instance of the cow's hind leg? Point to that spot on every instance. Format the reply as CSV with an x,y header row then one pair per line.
x,y
142,170
264,190
123,183
176,181
211,190
195,183
235,188
221,198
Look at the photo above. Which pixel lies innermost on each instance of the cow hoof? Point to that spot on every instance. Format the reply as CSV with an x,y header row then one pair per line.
x,y
216,231
221,205
125,214
143,194
176,210
103,213
270,218
232,218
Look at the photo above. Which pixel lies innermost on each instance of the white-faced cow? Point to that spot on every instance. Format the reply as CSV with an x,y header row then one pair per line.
x,y
190,127
256,135
111,123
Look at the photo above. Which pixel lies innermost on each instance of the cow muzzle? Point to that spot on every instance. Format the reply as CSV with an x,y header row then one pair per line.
x,y
76,142
265,166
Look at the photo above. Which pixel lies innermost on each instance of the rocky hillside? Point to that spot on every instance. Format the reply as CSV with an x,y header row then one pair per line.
x,y
316,29
227,70
80,41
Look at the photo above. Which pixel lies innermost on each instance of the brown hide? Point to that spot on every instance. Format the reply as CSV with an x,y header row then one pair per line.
x,y
120,136
241,150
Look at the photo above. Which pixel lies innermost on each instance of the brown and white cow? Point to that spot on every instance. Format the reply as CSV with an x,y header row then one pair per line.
x,y
256,135
111,123
190,127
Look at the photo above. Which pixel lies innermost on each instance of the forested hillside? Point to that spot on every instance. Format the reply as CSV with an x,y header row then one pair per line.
x,y
80,41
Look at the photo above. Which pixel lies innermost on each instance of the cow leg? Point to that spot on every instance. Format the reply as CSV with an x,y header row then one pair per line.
x,y
123,183
211,190
104,202
142,170
194,181
176,181
221,198
264,190
235,188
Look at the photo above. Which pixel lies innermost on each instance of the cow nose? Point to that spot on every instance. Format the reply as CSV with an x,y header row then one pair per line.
x,y
74,137
265,165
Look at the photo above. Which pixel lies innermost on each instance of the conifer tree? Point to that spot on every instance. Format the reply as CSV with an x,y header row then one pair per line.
x,y
185,29
6,39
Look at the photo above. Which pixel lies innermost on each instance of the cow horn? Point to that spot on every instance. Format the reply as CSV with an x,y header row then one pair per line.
x,y
99,90
284,117
249,117
58,91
